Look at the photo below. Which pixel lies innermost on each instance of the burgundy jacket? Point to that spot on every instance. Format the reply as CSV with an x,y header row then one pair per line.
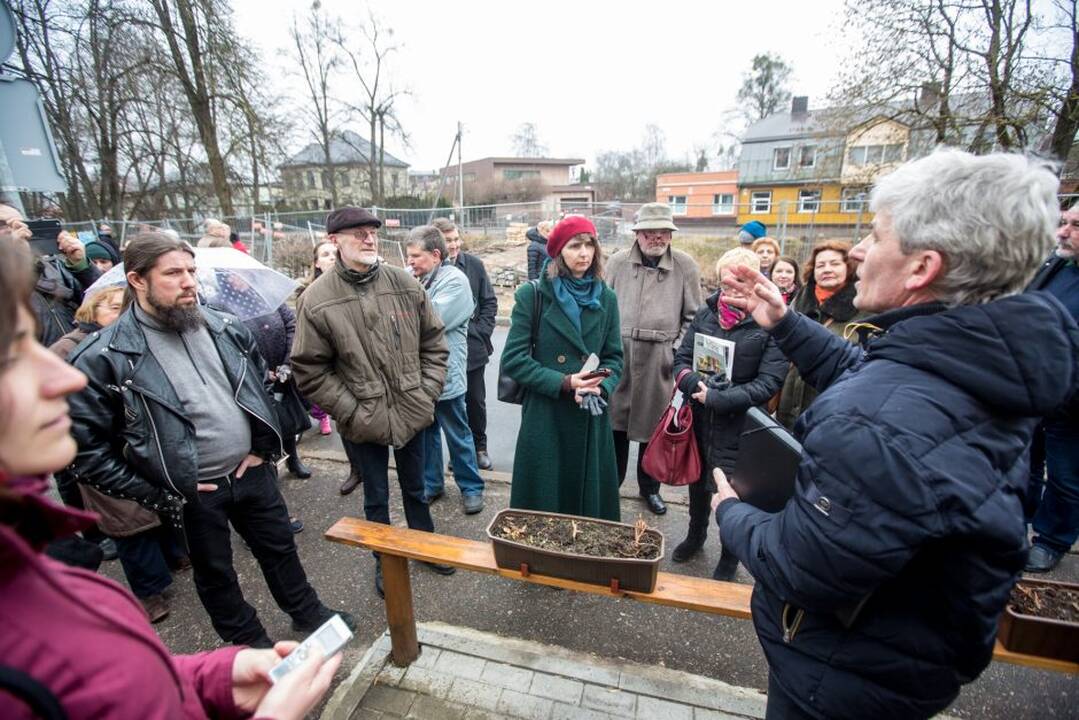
x,y
87,639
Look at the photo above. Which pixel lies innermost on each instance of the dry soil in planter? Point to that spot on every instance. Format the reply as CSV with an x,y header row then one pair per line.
x,y
1044,601
578,536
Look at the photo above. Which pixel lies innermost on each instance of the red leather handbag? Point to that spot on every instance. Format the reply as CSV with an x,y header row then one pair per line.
x,y
672,457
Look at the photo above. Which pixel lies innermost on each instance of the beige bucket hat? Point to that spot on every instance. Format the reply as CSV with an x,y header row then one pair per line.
x,y
655,216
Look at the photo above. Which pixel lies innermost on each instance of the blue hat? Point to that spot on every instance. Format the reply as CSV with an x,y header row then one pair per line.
x,y
751,231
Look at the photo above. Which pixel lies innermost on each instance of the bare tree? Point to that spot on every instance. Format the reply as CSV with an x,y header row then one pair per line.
x,y
1067,97
764,87
369,67
966,69
526,142
320,61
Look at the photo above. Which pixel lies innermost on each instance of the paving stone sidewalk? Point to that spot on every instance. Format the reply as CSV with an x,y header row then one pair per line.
x,y
465,674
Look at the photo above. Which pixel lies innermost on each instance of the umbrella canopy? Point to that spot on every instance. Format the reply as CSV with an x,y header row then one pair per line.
x,y
228,280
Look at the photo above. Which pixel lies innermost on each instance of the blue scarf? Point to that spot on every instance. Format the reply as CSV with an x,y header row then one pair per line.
x,y
576,293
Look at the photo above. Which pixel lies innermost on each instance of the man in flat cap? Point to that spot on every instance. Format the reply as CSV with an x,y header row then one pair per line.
x,y
658,289
371,351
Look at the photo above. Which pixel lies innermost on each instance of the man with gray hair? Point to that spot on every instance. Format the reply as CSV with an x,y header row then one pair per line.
x,y
880,584
369,350
658,289
450,295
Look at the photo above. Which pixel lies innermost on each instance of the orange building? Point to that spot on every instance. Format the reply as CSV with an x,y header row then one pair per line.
x,y
700,195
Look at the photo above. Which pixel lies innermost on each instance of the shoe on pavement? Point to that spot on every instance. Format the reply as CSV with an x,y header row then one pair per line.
x,y
326,614
440,568
297,468
353,482
690,546
108,549
295,524
655,503
183,564
472,503
1042,559
324,425
156,607
431,497
260,643
483,460
727,568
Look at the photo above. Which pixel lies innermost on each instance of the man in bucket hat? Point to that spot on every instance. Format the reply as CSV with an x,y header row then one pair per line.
x,y
658,291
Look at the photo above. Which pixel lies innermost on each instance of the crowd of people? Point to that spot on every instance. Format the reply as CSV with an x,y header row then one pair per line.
x,y
903,364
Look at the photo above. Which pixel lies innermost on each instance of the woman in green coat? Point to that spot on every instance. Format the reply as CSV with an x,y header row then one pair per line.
x,y
565,458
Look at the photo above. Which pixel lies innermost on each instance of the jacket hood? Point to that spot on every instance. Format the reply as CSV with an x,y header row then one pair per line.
x,y
993,351
534,235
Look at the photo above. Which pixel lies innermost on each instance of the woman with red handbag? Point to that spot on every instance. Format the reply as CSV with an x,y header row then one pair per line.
x,y
719,405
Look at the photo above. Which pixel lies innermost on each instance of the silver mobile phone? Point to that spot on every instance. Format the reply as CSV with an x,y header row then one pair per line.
x,y
331,637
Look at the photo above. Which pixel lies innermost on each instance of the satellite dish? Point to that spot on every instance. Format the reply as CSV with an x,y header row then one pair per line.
x,y
7,32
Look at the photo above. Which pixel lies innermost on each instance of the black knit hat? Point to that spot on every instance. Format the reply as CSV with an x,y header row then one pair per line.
x,y
349,217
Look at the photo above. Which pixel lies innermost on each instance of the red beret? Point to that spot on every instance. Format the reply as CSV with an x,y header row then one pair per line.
x,y
566,228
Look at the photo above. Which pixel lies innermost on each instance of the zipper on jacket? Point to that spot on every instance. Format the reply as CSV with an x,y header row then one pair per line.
x,y
236,396
160,452
790,629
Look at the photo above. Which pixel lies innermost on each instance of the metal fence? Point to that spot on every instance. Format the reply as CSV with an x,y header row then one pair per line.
x,y
285,240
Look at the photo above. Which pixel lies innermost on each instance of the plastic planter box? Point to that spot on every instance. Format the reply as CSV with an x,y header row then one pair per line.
x,y
631,574
1043,637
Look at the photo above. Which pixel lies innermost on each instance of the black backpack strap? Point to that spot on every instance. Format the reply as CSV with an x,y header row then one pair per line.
x,y
36,696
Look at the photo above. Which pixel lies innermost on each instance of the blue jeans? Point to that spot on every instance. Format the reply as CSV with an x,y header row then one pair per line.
x,y
1056,524
451,418
146,558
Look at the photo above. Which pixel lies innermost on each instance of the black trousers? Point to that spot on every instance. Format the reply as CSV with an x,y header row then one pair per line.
x,y
254,506
476,405
645,482
146,558
781,706
373,462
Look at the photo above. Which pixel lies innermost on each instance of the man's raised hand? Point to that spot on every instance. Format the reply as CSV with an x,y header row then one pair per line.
x,y
755,294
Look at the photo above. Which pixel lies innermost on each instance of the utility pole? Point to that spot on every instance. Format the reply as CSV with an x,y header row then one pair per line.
x,y
460,172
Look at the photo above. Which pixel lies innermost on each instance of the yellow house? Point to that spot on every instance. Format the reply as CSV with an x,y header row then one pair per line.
x,y
803,168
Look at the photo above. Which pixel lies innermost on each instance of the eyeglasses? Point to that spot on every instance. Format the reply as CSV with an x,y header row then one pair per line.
x,y
361,233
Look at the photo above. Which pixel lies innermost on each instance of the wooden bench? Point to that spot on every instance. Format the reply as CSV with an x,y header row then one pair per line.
x,y
399,545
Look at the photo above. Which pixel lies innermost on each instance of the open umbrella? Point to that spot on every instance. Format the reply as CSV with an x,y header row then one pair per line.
x,y
228,280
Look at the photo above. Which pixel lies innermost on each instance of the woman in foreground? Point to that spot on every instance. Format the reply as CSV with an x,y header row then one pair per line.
x,y
78,641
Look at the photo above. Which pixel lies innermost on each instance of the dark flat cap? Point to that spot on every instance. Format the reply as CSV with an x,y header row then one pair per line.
x,y
349,217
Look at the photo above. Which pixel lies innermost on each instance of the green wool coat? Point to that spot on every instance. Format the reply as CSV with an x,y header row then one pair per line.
x,y
565,457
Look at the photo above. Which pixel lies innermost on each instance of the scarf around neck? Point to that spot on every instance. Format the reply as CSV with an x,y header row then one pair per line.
x,y
729,316
822,294
573,294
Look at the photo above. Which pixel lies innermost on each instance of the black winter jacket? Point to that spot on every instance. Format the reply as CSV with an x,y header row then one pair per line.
x,y
907,519
482,324
273,334
135,441
759,368
537,252
58,292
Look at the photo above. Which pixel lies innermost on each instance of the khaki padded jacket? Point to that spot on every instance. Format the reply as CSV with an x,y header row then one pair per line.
x,y
371,352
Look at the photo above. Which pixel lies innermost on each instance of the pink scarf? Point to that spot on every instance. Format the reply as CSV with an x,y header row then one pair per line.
x,y
729,316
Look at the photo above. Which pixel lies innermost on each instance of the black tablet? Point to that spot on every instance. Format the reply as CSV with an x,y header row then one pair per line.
x,y
768,459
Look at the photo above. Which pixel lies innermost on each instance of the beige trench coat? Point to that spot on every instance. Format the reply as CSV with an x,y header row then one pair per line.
x,y
656,306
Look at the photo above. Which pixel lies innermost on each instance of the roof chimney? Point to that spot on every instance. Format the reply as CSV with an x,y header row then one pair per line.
x,y
929,95
799,105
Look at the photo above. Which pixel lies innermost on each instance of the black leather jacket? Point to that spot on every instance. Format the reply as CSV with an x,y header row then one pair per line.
x,y
135,441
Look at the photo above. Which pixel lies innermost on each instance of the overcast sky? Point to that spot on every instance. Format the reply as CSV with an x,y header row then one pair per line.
x,y
590,75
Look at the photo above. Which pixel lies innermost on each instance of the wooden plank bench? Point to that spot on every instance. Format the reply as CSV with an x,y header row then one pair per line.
x,y
398,545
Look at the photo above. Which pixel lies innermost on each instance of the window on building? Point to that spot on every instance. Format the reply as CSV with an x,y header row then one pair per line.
x,y
853,199
311,182
781,158
861,155
760,202
723,204
677,203
313,204
520,174
325,179
807,156
343,179
808,201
